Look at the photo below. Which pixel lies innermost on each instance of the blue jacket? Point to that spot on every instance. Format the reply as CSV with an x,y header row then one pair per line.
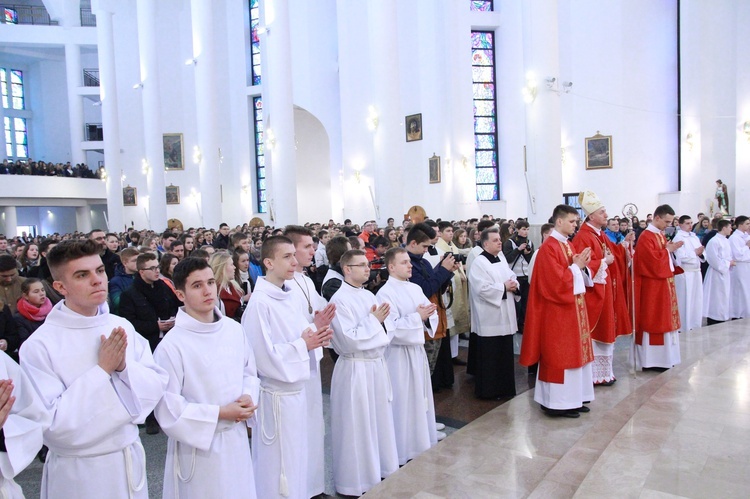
x,y
119,283
431,280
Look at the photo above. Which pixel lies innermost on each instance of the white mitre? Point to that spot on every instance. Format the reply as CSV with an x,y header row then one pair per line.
x,y
589,202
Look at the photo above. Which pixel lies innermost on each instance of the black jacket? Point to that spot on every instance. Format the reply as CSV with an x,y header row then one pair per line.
x,y
110,261
9,332
143,305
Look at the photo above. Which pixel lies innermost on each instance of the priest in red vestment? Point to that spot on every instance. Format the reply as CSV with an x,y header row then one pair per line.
x,y
606,269
557,333
657,314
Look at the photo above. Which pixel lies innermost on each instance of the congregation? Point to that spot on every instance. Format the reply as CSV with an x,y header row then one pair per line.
x,y
215,335
48,169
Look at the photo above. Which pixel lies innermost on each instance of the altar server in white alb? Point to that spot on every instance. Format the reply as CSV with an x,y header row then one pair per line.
x,y
688,283
23,418
717,285
317,310
410,311
281,338
98,380
210,396
364,440
739,241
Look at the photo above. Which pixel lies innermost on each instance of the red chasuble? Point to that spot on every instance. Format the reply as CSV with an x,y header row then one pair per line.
x,y
556,333
621,288
656,309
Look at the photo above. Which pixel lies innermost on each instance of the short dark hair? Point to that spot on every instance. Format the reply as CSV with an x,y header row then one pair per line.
x,y
336,247
296,232
237,238
270,245
486,234
349,256
176,242
91,232
322,233
741,220
186,267
166,234
222,225
143,258
111,234
379,241
200,253
68,251
485,224
663,210
44,245
546,228
444,225
722,223
521,224
562,210
391,255
420,233
7,262
128,253
684,218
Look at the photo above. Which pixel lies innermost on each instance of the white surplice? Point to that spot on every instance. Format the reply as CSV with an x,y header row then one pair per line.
x,y
209,365
22,430
491,314
413,405
739,303
689,285
307,297
274,324
717,285
93,439
364,440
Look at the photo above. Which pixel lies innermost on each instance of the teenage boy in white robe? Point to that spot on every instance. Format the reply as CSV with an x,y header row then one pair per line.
x,y
281,338
318,311
210,395
364,439
413,405
739,241
689,284
96,376
23,418
717,286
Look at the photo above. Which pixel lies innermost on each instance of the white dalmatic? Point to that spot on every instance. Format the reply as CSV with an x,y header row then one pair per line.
x,y
309,301
274,325
209,365
717,285
413,405
93,438
364,440
740,276
22,430
689,285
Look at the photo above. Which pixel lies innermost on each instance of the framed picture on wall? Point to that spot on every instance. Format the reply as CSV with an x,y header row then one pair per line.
x,y
129,196
174,151
173,194
435,169
598,152
413,127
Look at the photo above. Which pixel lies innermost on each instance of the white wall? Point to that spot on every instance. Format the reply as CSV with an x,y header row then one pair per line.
x,y
313,167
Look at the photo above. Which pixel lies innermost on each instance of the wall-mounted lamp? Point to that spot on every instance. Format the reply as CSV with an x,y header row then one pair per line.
x,y
372,118
550,82
563,159
746,129
264,29
529,91
103,174
567,85
138,86
122,177
245,188
197,155
191,62
357,176
689,141
465,162
271,140
144,166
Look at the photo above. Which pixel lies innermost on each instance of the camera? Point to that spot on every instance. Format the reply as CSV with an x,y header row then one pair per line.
x,y
457,257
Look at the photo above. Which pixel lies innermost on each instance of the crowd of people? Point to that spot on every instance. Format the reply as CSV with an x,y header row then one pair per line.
x,y
48,169
205,333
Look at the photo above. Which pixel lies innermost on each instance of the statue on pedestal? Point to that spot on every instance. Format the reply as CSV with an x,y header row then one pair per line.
x,y
722,197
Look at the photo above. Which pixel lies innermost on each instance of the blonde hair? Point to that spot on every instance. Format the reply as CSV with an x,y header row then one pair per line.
x,y
218,263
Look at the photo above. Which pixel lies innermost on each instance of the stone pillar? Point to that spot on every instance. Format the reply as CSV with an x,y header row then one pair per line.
x,y
83,218
74,76
108,88
278,113
152,133
11,221
388,138
543,142
204,51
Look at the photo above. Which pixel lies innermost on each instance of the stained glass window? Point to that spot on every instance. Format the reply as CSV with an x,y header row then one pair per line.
x,y
482,5
485,110
8,138
260,158
255,39
16,138
11,16
16,86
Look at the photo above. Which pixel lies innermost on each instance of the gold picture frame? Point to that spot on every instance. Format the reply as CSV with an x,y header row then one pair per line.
x,y
413,127
174,151
129,196
173,194
434,169
598,152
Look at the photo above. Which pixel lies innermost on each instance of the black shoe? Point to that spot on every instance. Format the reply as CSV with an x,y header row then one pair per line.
x,y
561,413
152,427
583,408
606,383
42,454
458,362
656,369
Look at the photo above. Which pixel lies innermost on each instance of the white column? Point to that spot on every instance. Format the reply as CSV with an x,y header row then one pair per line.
x,y
202,13
543,142
74,75
278,113
388,139
83,218
152,133
11,221
110,124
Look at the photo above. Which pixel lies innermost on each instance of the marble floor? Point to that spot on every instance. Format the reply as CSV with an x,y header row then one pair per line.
x,y
681,433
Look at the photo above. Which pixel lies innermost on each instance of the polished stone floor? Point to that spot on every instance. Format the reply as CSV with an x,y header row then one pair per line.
x,y
681,433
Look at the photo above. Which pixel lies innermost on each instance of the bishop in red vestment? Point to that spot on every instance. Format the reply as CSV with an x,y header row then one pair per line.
x,y
557,333
657,312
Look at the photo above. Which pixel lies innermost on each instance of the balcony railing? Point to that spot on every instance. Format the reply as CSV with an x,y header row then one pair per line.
x,y
94,132
25,14
88,18
91,77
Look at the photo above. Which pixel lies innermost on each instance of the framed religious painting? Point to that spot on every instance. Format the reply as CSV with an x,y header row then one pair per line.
x,y
413,127
173,194
174,151
434,169
598,152
129,196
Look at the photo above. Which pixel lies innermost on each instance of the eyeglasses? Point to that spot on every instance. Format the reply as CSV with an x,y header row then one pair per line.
x,y
155,267
360,265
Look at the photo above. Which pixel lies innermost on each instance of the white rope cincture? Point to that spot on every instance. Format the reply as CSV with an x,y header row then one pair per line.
x,y
270,439
129,468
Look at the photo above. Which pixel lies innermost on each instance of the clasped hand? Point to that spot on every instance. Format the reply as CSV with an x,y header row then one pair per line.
x,y
241,409
112,351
